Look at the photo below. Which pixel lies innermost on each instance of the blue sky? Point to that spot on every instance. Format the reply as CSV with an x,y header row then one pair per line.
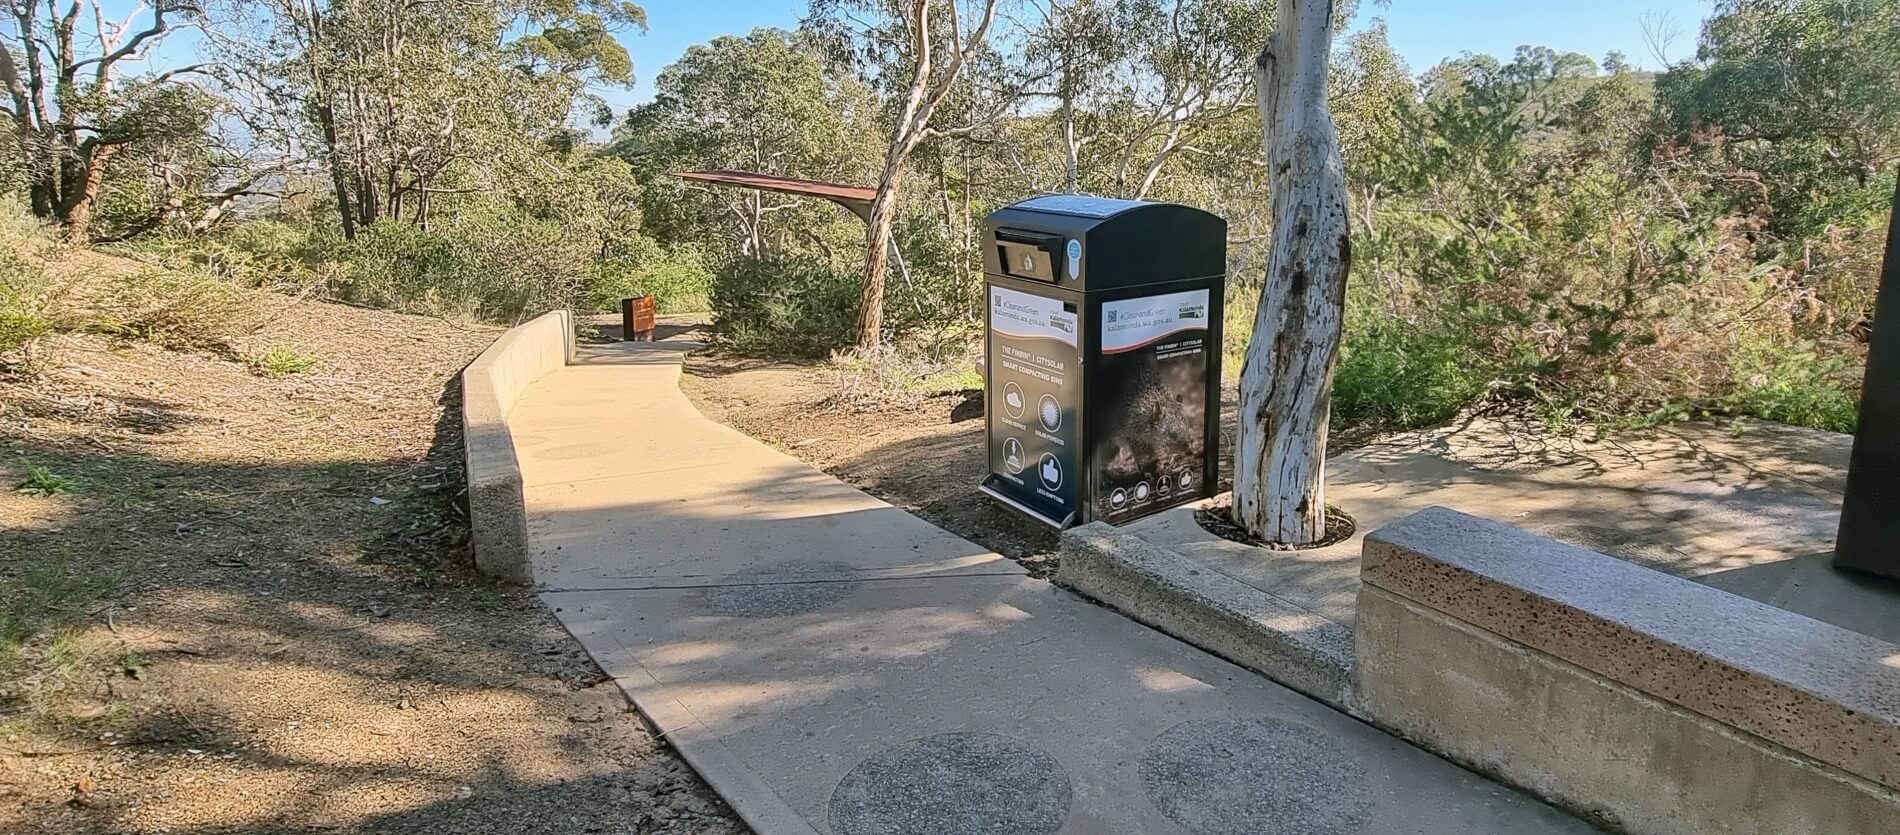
x,y
1424,31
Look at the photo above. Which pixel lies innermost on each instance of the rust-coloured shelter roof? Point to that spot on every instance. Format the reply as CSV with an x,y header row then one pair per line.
x,y
856,198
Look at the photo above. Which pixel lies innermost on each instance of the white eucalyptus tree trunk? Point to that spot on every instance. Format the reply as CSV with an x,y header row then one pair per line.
x,y
929,85
1287,379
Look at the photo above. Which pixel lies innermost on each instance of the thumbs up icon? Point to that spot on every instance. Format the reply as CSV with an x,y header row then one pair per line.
x,y
1051,472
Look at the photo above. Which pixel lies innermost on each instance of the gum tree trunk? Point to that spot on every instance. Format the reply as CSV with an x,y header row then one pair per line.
x,y
1286,380
877,252
929,84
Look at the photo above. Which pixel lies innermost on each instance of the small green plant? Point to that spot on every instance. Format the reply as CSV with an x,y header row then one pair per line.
x,y
343,468
41,481
42,646
18,328
134,665
280,360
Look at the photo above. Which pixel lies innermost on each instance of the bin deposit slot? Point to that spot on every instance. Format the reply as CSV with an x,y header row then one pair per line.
x,y
1028,256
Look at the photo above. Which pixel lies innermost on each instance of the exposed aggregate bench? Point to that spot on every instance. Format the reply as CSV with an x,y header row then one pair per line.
x,y
1654,704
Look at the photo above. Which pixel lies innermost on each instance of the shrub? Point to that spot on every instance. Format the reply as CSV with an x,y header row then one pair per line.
x,y
255,253
680,281
28,297
1404,375
177,308
1794,384
942,294
902,375
491,263
796,306
18,328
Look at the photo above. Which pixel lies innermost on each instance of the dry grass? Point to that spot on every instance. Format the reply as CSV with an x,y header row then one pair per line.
x,y
254,613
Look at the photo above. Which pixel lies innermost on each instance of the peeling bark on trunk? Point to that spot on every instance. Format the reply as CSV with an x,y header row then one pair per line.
x,y
76,215
1286,381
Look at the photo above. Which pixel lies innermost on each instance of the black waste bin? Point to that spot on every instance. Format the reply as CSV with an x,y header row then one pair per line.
x,y
1102,395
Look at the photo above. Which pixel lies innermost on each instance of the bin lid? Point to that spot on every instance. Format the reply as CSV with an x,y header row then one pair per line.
x,y
1081,205
1081,242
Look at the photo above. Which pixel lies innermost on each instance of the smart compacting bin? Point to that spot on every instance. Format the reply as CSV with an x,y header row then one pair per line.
x,y
1103,367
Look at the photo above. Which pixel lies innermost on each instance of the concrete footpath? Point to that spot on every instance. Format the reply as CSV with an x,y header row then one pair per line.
x,y
833,664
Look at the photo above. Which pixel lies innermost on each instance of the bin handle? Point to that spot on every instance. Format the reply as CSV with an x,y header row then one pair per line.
x,y
1046,243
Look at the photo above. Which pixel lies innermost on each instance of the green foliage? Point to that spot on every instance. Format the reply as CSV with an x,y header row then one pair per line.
x,y
680,280
940,290
160,180
1527,250
17,327
265,252
796,307
280,360
806,306
902,374
766,102
42,613
1796,384
28,298
492,264
41,481
1586,239
1404,376
1794,102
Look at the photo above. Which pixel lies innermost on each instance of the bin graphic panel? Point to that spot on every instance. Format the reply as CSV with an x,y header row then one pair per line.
x,y
1150,424
1033,388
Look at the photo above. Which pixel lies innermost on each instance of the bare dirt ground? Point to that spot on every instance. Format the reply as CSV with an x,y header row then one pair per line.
x,y
264,620
924,455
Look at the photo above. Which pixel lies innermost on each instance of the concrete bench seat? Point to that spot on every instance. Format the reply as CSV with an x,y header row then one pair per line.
x,y
1651,703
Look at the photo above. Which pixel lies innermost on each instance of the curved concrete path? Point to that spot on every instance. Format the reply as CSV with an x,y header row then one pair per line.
x,y
833,664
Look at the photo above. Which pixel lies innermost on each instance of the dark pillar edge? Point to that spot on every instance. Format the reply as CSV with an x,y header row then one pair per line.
x,y
1869,536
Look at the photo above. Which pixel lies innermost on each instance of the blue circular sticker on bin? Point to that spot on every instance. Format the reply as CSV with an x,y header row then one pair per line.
x,y
1075,258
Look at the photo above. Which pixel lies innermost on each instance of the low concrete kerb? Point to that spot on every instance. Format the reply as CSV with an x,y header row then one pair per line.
x,y
1156,586
498,518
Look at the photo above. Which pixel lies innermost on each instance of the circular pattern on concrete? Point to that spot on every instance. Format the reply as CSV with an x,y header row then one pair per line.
x,y
792,587
1256,777
953,783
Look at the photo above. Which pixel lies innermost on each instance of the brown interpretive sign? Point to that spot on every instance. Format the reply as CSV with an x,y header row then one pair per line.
x,y
638,317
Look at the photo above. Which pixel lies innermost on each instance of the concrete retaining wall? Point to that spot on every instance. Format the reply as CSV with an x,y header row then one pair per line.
x,y
1652,704
497,519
